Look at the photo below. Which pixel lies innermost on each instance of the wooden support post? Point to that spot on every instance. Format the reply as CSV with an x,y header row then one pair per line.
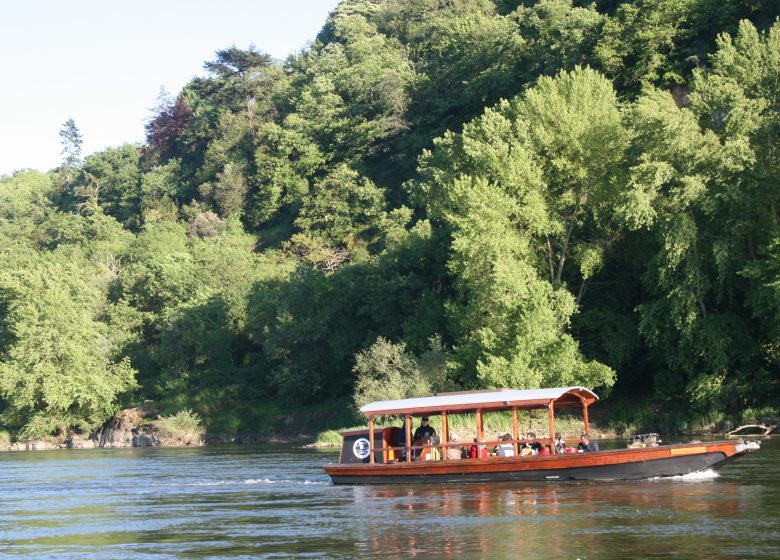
x,y
480,429
551,425
445,435
515,430
585,416
370,439
408,428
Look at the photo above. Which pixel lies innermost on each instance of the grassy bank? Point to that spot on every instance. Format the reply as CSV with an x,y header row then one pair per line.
x,y
624,418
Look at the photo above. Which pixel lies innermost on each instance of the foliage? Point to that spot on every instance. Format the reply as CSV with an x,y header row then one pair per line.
x,y
433,194
59,370
184,425
385,371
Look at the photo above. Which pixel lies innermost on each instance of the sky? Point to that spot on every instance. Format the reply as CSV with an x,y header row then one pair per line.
x,y
103,62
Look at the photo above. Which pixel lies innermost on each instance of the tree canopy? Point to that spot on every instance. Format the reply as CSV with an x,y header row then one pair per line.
x,y
434,195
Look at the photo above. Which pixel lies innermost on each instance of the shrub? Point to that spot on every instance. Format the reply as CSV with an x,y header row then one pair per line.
x,y
184,425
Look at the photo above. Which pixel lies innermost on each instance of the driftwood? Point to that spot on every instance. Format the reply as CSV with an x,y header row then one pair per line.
x,y
766,429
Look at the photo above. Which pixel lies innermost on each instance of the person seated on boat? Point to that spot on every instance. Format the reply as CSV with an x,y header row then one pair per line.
x,y
505,448
531,447
560,444
454,452
478,451
586,445
430,449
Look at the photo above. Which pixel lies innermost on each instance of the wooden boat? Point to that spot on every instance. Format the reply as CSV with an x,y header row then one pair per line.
x,y
380,456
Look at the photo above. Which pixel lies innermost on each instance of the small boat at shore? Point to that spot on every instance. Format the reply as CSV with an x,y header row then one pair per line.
x,y
389,455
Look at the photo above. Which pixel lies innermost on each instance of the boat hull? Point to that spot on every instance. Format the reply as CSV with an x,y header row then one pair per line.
x,y
623,464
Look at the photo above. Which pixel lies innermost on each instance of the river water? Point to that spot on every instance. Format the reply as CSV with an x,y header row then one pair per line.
x,y
275,502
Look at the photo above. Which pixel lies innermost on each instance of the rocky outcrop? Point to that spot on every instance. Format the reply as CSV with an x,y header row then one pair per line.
x,y
135,427
129,428
79,441
34,445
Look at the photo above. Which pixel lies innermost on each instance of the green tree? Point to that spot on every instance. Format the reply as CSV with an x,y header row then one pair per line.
x,y
525,181
71,150
59,371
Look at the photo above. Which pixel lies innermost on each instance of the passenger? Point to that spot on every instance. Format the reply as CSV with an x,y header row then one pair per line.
x,y
478,451
531,447
474,450
505,449
586,445
560,445
454,452
419,454
430,451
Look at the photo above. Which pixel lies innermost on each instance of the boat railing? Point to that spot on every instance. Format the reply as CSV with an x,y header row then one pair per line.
x,y
443,447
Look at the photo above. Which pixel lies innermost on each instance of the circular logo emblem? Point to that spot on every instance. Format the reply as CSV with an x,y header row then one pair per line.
x,y
361,448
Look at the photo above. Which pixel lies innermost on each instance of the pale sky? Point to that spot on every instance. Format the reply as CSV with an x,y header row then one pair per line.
x,y
102,62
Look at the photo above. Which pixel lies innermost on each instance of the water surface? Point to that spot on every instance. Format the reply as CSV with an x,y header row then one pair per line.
x,y
275,502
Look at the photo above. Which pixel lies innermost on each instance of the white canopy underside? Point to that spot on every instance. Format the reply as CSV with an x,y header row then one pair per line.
x,y
479,399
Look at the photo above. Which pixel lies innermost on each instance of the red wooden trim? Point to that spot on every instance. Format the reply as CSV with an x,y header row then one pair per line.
x,y
585,417
408,428
371,439
445,435
551,426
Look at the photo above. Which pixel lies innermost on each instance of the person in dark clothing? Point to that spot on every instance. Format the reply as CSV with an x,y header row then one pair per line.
x,y
424,430
421,435
560,444
534,445
586,445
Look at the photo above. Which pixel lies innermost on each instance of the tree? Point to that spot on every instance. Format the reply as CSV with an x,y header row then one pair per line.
x,y
521,182
704,184
386,371
59,371
164,130
111,181
71,150
342,207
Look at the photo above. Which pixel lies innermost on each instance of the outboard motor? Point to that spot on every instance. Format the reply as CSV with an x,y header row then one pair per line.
x,y
644,440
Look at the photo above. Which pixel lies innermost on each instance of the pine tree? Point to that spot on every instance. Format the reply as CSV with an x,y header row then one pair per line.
x,y
71,149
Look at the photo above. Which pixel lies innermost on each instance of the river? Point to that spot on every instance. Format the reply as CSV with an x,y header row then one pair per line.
x,y
275,502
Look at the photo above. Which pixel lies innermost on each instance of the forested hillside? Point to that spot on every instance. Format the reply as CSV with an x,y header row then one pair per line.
x,y
436,194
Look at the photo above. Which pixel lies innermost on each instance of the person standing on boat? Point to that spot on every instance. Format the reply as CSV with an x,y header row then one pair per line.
x,y
421,434
586,445
424,430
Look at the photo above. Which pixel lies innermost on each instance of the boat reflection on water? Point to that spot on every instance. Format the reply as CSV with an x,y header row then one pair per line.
x,y
549,520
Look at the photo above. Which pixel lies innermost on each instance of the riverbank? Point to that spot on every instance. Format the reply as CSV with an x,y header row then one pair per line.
x,y
319,426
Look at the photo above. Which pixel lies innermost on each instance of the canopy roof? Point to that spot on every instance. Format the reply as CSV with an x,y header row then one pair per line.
x,y
499,399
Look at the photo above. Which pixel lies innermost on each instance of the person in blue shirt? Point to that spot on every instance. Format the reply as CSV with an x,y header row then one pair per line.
x,y
586,444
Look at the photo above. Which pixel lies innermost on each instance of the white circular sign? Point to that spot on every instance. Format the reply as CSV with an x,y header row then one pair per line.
x,y
361,448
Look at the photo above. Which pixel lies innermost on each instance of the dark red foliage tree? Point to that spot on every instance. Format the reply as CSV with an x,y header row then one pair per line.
x,y
164,131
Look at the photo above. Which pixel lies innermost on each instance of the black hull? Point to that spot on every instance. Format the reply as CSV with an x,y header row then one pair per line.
x,y
634,470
